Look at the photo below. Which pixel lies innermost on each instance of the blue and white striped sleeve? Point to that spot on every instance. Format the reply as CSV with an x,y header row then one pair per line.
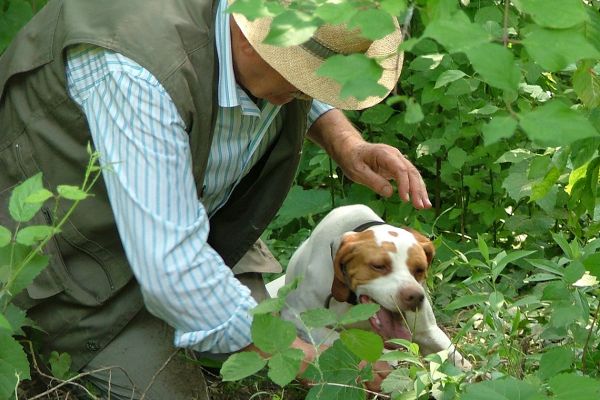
x,y
163,226
316,110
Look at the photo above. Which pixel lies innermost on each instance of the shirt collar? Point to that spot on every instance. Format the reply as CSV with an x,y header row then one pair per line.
x,y
229,92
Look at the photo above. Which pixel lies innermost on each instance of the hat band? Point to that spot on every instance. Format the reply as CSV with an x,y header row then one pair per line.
x,y
317,49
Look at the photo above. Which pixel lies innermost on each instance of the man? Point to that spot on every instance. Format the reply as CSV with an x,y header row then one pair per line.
x,y
190,140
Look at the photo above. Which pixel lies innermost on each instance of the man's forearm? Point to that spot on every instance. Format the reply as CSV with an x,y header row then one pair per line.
x,y
334,133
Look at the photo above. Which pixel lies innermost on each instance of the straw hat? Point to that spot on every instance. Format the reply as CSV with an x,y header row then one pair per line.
x,y
298,64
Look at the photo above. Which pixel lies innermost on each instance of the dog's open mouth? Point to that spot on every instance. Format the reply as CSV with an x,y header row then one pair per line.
x,y
388,324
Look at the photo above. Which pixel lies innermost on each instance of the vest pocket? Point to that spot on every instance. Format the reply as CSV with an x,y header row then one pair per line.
x,y
78,266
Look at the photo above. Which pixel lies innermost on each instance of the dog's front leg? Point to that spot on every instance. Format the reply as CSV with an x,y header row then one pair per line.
x,y
430,338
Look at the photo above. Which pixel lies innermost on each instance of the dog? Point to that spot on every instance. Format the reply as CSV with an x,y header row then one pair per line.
x,y
353,257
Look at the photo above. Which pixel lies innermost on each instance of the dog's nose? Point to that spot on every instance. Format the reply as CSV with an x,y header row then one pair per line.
x,y
412,298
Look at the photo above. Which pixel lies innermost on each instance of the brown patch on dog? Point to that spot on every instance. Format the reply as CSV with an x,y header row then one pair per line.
x,y
359,260
425,243
392,233
417,262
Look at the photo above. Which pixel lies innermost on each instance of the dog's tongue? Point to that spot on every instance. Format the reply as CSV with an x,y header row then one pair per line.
x,y
389,325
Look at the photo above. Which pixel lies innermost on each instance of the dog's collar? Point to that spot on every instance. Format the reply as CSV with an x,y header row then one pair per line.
x,y
367,225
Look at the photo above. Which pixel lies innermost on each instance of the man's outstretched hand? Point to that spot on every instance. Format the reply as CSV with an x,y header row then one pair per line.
x,y
373,165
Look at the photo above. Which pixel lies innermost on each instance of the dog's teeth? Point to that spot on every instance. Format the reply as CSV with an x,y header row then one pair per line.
x,y
377,321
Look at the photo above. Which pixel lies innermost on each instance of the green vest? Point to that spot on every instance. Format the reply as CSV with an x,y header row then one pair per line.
x,y
88,294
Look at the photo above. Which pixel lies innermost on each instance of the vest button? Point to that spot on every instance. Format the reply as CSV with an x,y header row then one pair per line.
x,y
92,345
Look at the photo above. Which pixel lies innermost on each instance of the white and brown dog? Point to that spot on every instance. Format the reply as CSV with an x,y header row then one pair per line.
x,y
353,256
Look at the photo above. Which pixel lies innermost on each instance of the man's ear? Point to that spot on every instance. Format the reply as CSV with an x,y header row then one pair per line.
x,y
238,39
425,243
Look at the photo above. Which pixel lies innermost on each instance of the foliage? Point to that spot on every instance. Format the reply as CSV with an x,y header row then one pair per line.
x,y
22,258
498,107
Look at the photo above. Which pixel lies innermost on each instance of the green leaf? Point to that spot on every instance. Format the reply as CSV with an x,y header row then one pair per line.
x,y
366,345
502,389
373,23
592,264
12,19
271,334
574,387
357,73
413,114
359,312
448,76
40,196
13,362
457,157
71,192
403,356
318,318
568,47
564,315
337,365
483,248
5,236
555,13
574,272
301,203
377,114
499,128
555,124
457,32
20,210
60,364
242,365
251,9
586,83
502,260
284,366
496,65
335,13
398,380
5,326
540,189
268,306
291,28
393,7
496,300
17,319
554,361
465,301
29,272
488,109
30,235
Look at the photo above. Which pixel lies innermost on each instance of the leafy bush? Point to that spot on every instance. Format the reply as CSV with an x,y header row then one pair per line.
x,y
498,107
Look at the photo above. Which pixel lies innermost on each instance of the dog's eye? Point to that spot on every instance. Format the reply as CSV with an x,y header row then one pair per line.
x,y
379,267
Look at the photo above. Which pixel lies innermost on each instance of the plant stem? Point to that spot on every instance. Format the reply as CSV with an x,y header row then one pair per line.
x,y
587,341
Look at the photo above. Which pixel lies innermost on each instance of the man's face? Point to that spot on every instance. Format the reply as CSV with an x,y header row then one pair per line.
x,y
256,76
264,82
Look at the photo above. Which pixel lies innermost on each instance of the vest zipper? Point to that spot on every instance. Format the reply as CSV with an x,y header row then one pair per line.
x,y
50,221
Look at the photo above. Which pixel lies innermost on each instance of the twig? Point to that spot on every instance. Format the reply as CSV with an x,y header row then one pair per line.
x,y
71,380
157,373
587,341
383,396
505,33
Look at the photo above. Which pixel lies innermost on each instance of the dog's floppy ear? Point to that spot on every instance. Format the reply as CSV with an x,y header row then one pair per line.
x,y
339,290
425,243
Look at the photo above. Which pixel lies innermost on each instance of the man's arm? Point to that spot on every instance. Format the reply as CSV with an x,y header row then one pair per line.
x,y
162,225
372,165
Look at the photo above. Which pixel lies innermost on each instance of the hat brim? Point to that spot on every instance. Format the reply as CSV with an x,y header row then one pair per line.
x,y
298,66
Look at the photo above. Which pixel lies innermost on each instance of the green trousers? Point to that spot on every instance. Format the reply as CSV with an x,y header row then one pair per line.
x,y
143,359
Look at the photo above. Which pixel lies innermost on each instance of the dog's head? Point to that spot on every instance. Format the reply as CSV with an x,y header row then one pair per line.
x,y
384,264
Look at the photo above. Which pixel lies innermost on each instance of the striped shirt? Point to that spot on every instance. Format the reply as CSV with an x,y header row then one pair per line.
x,y
162,224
